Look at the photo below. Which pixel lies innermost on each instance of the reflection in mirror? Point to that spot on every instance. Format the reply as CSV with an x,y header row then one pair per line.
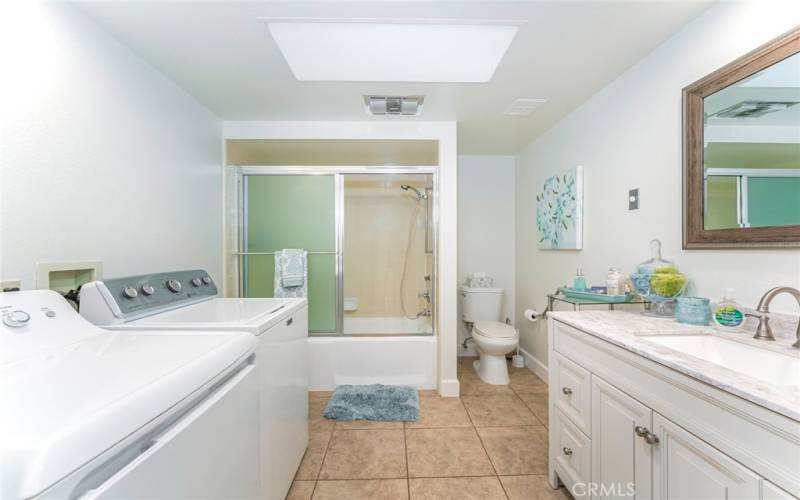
x,y
751,154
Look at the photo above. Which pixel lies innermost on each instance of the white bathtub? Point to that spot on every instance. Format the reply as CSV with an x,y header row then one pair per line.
x,y
394,360
382,325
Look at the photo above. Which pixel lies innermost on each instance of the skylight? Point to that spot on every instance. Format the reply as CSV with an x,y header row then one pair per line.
x,y
376,50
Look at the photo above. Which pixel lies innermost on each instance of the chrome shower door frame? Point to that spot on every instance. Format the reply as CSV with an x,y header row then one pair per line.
x,y
338,174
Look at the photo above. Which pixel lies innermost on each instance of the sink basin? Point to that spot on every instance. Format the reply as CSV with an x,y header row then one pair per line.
x,y
762,364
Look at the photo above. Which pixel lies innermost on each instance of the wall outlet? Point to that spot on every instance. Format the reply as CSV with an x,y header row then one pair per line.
x,y
633,199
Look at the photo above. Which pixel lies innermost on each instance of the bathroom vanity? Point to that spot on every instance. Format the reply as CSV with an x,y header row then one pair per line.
x,y
646,407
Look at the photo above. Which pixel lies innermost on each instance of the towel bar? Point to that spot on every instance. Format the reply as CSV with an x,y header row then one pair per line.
x,y
273,253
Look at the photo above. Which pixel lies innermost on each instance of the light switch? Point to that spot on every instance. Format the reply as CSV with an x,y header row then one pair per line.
x,y
633,199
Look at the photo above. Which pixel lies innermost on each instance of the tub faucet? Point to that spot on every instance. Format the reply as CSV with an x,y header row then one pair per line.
x,y
764,330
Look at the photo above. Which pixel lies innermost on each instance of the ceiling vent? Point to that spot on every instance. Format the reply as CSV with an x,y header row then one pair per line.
x,y
409,105
523,106
753,109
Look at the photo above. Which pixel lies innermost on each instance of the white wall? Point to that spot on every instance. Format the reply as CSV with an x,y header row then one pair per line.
x,y
486,227
628,135
103,158
447,272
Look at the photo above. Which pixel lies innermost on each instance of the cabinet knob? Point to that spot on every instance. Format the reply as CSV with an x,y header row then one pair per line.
x,y
650,438
644,432
566,390
567,451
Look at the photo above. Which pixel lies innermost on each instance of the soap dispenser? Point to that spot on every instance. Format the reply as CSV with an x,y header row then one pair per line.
x,y
579,283
728,314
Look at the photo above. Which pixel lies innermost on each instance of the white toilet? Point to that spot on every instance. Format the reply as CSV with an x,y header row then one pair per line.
x,y
482,308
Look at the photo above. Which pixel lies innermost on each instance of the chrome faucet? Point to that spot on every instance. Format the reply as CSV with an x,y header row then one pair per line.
x,y
764,330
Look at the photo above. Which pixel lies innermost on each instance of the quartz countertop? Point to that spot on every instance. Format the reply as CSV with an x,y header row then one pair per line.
x,y
630,330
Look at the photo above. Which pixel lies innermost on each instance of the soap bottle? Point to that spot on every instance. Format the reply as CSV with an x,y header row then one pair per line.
x,y
579,283
728,314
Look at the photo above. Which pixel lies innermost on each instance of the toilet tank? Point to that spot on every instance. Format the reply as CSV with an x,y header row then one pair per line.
x,y
481,304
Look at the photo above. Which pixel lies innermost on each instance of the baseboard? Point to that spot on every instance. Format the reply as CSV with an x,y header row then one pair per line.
x,y
537,367
449,388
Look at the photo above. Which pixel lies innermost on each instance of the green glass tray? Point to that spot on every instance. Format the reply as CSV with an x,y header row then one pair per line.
x,y
596,297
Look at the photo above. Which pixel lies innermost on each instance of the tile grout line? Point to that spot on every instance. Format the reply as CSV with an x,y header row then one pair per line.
x,y
496,475
324,455
405,447
528,407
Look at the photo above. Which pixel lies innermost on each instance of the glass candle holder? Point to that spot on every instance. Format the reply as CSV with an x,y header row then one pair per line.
x,y
693,310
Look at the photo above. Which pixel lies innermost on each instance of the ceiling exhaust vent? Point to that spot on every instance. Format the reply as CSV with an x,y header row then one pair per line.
x,y
523,106
393,105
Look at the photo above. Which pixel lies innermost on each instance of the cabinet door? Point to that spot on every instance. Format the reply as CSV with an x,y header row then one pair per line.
x,y
687,468
772,492
621,459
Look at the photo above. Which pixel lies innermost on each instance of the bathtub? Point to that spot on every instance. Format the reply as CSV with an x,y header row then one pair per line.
x,y
395,360
383,325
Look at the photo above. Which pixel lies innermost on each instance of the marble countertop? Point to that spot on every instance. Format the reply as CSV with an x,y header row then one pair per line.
x,y
630,330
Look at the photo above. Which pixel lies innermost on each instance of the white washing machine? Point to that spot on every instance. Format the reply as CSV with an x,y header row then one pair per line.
x,y
187,300
86,413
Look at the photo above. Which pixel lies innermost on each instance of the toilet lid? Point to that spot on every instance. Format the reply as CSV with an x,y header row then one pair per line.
x,y
494,329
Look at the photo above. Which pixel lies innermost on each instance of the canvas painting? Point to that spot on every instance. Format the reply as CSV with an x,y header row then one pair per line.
x,y
559,211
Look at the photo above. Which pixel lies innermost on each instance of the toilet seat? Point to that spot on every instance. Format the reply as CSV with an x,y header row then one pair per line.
x,y
494,341
494,330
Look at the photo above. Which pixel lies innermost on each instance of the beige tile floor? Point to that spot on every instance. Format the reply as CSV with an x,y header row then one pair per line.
x,y
489,444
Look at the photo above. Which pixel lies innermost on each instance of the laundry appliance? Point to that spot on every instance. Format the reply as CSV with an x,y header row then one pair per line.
x,y
88,413
188,301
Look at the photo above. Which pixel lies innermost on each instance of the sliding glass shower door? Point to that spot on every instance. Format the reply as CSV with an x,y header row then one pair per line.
x,y
388,254
370,239
292,211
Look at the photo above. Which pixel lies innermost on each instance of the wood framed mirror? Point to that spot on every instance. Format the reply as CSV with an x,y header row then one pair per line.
x,y
741,151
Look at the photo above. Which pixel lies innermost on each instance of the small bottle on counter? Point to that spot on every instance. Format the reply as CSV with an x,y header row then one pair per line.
x,y
614,282
728,314
579,283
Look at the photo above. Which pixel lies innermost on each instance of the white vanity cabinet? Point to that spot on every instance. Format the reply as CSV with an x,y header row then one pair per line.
x,y
624,426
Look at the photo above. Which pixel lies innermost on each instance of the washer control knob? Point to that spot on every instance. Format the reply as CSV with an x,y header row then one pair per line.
x,y
148,289
197,281
207,280
16,319
174,286
130,292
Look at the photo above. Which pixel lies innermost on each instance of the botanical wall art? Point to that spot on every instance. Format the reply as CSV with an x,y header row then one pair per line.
x,y
559,211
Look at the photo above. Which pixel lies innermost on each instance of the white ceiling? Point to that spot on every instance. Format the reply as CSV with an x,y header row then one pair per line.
x,y
224,56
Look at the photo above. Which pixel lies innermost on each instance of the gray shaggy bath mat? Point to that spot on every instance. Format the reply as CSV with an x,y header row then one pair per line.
x,y
373,402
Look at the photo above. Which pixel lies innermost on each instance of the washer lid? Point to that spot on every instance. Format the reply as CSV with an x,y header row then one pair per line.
x,y
494,329
64,406
254,315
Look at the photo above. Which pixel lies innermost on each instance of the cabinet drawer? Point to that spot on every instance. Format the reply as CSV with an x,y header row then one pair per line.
x,y
571,452
572,393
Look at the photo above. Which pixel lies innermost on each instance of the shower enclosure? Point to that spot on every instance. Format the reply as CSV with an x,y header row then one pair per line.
x,y
370,236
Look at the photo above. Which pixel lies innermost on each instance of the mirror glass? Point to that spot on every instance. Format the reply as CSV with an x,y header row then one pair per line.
x,y
751,154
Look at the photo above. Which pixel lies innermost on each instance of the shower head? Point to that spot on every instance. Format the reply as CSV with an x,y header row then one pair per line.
x,y
420,196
